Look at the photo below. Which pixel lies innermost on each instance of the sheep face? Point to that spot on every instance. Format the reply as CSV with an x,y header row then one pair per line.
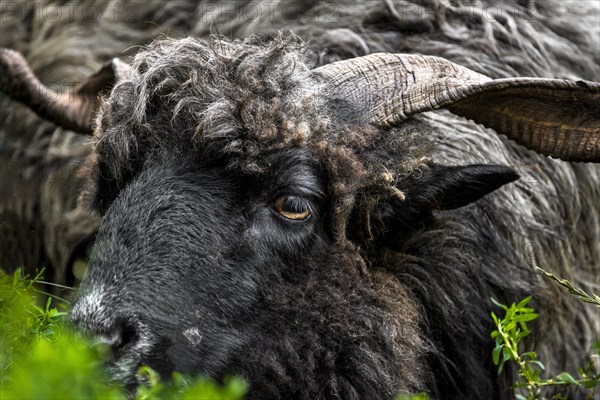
x,y
258,222
210,270
222,244
187,254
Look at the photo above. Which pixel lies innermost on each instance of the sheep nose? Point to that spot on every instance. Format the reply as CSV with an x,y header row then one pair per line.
x,y
120,337
112,339
102,325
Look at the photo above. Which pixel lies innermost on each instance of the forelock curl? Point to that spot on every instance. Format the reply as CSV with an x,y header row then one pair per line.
x,y
234,98
239,100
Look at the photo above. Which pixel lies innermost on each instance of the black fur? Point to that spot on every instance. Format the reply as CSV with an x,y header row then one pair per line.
x,y
386,286
195,146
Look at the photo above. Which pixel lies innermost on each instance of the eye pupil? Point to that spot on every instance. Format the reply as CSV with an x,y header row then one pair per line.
x,y
292,207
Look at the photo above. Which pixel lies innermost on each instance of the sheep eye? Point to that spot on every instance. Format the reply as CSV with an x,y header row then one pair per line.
x,y
292,207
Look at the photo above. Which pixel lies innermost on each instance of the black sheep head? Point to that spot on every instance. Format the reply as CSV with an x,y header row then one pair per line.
x,y
224,244
242,193
218,251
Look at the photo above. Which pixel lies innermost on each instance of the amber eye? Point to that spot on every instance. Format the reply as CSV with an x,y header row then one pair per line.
x,y
292,207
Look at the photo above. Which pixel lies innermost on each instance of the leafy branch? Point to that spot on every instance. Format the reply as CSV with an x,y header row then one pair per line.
x,y
510,331
580,293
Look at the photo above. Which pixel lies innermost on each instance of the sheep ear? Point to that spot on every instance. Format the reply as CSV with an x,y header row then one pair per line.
x,y
71,109
435,188
445,188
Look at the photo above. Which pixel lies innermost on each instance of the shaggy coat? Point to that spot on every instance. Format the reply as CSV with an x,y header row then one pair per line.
x,y
378,293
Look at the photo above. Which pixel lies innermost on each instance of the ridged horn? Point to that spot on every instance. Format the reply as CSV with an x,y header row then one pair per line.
x,y
72,109
555,117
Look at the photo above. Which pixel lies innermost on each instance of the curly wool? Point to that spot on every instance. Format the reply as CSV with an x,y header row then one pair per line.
x,y
546,38
560,207
241,100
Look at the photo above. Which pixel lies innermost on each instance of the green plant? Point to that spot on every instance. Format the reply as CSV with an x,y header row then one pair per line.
x,y
22,320
580,293
43,357
530,385
185,389
419,396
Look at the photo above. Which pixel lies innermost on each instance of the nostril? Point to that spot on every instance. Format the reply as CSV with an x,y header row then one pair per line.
x,y
122,336
128,337
111,339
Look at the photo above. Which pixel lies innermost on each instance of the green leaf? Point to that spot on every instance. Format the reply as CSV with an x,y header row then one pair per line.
x,y
419,396
526,310
591,383
500,367
496,354
539,364
510,313
524,302
506,354
496,302
510,326
495,318
16,277
530,354
525,317
566,378
521,334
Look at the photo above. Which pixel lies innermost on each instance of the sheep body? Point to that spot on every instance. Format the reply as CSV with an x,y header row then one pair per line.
x,y
365,319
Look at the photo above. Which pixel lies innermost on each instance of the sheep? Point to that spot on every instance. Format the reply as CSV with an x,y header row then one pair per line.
x,y
265,217
64,41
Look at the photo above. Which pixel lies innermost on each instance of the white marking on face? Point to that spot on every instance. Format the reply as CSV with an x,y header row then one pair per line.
x,y
91,304
145,341
110,339
123,369
193,336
